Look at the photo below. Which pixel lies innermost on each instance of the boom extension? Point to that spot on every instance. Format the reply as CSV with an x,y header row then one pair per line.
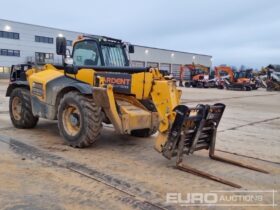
x,y
195,129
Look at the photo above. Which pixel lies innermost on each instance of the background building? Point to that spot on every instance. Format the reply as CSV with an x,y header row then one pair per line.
x,y
22,43
166,59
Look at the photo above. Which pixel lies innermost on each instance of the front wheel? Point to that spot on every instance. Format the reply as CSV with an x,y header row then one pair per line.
x,y
79,120
21,110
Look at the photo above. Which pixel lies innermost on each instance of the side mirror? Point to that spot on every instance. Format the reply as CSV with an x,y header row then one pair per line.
x,y
69,67
60,45
131,48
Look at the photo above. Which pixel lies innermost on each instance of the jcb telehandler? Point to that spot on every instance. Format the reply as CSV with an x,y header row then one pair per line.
x,y
95,85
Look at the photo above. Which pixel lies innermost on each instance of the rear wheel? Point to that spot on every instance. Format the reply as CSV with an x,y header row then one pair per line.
x,y
79,120
21,110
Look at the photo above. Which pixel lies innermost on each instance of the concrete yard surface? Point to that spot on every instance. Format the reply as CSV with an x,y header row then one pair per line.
x,y
39,171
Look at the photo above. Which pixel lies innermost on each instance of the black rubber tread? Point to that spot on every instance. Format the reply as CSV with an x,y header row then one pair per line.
x,y
27,120
187,84
249,88
91,120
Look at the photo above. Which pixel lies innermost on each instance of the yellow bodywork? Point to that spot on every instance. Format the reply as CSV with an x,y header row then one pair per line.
x,y
42,77
125,111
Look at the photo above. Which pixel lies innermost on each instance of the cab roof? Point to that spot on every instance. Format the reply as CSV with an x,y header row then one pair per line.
x,y
101,38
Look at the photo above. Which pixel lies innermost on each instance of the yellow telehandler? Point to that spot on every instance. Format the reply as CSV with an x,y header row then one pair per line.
x,y
95,85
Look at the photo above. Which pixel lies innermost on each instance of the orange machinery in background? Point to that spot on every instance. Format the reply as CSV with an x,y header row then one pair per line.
x,y
236,81
199,75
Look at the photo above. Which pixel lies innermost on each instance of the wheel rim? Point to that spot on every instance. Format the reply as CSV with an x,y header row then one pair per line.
x,y
71,118
16,108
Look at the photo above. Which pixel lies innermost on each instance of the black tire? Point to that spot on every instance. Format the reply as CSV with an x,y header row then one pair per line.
x,y
22,116
248,88
194,84
143,133
187,84
220,87
89,120
199,85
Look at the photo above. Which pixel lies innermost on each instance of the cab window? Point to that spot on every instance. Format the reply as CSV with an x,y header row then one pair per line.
x,y
113,55
86,54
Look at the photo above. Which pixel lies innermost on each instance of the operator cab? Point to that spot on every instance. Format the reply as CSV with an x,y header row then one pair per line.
x,y
92,51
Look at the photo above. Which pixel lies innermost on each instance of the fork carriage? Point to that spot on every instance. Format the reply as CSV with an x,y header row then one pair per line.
x,y
195,129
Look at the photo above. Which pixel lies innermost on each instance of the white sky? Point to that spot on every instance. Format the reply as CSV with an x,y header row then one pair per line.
x,y
235,32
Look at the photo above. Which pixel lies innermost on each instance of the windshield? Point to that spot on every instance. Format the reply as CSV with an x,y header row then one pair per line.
x,y
198,71
113,55
243,74
86,54
240,75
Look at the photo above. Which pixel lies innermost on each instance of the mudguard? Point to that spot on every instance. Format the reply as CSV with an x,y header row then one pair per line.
x,y
14,85
62,84
55,89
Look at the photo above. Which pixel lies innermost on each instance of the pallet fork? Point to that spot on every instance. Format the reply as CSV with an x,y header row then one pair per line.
x,y
195,129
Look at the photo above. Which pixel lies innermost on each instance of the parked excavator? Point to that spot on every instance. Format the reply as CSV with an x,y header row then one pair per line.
x,y
236,80
95,85
199,75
